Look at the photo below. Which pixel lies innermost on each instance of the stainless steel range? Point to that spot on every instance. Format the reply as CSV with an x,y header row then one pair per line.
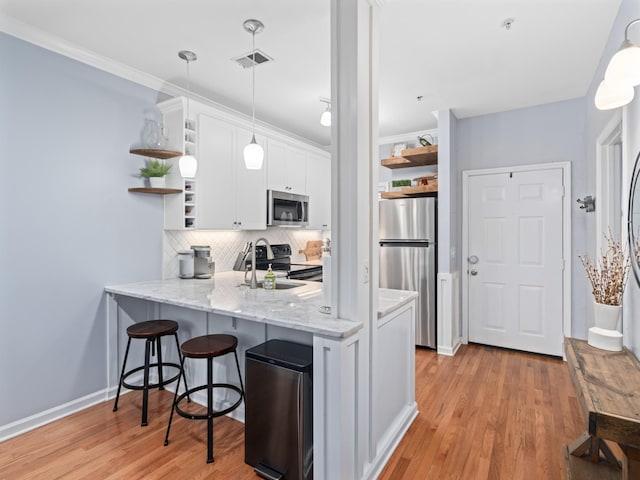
x,y
282,262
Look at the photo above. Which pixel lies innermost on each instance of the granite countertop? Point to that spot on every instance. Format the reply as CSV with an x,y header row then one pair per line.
x,y
226,294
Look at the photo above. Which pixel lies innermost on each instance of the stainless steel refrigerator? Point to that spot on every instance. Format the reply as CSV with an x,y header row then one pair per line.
x,y
408,256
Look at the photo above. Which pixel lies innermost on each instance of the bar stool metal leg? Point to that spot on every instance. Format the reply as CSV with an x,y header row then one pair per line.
x,y
209,409
239,375
145,390
159,356
173,404
181,358
124,364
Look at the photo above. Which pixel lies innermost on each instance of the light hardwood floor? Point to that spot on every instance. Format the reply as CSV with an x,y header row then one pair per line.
x,y
484,414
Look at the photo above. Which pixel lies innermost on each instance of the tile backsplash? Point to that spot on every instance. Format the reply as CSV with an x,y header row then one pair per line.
x,y
225,245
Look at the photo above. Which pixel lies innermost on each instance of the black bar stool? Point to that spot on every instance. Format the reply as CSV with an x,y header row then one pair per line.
x,y
152,331
209,347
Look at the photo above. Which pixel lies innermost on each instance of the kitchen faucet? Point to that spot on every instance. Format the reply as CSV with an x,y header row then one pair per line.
x,y
254,282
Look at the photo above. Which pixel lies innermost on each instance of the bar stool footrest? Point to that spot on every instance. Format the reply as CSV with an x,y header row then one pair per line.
x,y
194,416
151,385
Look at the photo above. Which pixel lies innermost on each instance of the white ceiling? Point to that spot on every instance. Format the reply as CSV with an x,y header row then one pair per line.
x,y
453,53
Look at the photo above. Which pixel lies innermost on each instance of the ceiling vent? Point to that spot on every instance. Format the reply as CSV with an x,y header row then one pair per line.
x,y
246,60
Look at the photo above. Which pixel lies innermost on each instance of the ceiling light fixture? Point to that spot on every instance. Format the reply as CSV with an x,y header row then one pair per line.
x,y
188,164
253,153
325,118
621,75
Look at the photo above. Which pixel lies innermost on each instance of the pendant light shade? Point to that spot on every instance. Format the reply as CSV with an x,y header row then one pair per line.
x,y
621,75
610,96
325,118
624,67
188,164
253,153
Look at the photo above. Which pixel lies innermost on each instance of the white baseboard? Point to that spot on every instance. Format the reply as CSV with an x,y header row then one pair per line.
x,y
390,441
43,418
39,419
450,351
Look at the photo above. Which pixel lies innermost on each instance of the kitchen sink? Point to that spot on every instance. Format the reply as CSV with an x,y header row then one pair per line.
x,y
283,286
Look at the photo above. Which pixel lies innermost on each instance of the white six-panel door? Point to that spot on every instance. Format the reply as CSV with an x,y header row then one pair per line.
x,y
515,260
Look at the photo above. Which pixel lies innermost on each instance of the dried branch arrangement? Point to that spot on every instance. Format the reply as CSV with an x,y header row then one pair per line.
x,y
609,276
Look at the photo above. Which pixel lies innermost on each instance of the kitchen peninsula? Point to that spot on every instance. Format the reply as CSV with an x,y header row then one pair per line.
x,y
224,304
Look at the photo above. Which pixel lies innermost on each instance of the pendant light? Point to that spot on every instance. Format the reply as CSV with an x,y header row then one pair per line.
x,y
188,164
253,153
325,118
621,75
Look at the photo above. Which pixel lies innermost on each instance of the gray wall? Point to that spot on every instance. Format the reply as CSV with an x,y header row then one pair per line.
x,y
544,134
68,225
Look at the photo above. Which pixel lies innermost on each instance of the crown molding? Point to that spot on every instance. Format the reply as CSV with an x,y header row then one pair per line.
x,y
56,44
35,36
403,137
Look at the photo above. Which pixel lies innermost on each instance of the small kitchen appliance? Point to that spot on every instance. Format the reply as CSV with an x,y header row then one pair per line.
x,y
185,260
287,209
203,265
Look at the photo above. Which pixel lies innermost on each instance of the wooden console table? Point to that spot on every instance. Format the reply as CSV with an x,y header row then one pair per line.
x,y
608,388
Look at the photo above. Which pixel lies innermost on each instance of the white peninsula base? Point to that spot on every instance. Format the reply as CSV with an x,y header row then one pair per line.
x,y
221,306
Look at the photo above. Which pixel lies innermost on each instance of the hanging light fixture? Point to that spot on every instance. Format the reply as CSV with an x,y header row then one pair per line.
x,y
253,153
621,75
188,164
325,118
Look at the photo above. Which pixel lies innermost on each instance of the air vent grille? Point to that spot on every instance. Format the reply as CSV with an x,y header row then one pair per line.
x,y
246,60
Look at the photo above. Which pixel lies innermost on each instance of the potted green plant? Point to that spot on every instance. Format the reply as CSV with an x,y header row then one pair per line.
x,y
397,185
155,171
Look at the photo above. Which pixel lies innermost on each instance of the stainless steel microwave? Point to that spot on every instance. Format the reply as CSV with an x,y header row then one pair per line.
x,y
287,209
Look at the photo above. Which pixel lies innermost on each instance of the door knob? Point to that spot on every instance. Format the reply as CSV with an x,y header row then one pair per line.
x,y
473,272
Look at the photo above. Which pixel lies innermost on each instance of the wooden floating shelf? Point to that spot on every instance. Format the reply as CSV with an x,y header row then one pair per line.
x,y
413,157
406,192
155,191
156,153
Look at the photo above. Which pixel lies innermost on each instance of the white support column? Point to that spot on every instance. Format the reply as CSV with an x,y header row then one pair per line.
x,y
354,141
336,386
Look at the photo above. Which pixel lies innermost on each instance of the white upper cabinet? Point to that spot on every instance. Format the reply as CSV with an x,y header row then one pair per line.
x,y
230,196
286,167
216,174
319,191
225,195
251,186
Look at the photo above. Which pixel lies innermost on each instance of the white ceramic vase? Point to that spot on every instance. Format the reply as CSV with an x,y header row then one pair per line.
x,y
606,316
157,182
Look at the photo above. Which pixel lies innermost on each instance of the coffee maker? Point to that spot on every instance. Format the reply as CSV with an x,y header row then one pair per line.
x,y
203,265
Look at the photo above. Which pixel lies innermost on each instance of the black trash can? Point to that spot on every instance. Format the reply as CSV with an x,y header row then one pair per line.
x,y
279,410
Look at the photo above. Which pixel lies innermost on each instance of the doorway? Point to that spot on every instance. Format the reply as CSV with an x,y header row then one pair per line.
x,y
609,181
516,239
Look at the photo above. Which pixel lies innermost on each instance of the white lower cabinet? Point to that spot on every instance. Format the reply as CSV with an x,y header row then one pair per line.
x,y
319,191
230,196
